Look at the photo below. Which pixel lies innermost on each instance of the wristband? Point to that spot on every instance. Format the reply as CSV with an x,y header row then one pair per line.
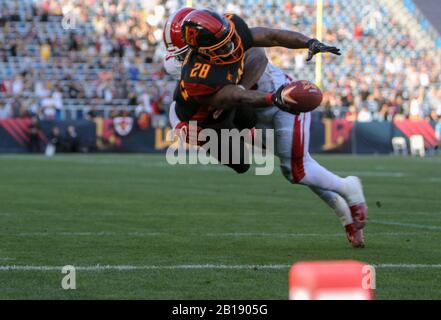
x,y
269,99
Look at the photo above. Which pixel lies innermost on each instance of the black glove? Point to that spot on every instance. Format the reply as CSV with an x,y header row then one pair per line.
x,y
277,100
316,46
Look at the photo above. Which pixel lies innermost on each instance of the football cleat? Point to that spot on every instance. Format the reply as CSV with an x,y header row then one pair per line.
x,y
359,214
355,236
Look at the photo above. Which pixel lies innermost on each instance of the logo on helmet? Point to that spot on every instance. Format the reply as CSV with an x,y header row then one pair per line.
x,y
191,35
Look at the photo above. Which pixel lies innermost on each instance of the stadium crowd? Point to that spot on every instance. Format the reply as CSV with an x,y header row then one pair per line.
x,y
92,54
102,58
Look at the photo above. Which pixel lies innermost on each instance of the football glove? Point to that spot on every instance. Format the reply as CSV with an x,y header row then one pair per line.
x,y
315,46
277,100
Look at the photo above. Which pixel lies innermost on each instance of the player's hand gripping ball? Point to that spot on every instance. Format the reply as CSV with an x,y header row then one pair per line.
x,y
298,96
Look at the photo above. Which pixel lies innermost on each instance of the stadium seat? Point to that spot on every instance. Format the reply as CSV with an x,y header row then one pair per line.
x,y
417,146
340,17
399,145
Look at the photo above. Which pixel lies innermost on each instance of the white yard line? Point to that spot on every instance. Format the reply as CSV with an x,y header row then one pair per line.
x,y
408,266
88,234
407,225
301,235
378,173
98,268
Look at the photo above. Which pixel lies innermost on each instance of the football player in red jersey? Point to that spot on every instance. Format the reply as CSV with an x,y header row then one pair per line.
x,y
234,118
211,72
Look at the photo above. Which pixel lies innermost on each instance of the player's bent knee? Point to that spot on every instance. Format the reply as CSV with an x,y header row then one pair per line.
x,y
286,171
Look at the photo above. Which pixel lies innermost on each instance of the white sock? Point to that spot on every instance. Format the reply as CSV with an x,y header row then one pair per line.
x,y
317,176
336,203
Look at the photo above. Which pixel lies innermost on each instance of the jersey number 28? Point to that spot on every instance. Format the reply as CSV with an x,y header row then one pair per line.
x,y
200,70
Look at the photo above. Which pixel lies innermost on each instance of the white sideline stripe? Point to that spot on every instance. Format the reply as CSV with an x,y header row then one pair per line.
x,y
97,268
132,162
233,234
406,225
91,161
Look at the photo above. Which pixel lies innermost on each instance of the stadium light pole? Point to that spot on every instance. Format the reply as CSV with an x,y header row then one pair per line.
x,y
319,36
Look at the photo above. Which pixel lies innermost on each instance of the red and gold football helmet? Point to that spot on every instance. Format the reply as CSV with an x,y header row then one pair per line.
x,y
213,36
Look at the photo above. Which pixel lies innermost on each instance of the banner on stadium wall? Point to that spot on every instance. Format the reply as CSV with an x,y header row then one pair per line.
x,y
327,136
14,133
130,136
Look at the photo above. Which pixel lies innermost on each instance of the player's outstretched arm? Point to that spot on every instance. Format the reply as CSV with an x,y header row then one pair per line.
x,y
268,37
236,96
233,96
256,62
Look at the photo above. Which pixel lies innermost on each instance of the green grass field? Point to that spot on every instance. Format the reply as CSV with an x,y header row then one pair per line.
x,y
137,228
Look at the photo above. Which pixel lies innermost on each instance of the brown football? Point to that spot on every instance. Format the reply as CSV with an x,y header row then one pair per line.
x,y
302,96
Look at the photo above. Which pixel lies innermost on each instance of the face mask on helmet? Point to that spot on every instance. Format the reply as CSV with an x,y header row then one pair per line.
x,y
172,66
228,51
178,54
172,39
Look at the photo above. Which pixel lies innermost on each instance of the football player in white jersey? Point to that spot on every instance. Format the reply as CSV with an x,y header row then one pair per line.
x,y
291,139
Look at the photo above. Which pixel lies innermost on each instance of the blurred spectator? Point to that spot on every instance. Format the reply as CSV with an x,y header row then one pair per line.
x,y
34,136
4,111
55,139
72,141
112,58
416,106
91,114
47,111
57,97
438,133
17,85
352,114
364,115
45,51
